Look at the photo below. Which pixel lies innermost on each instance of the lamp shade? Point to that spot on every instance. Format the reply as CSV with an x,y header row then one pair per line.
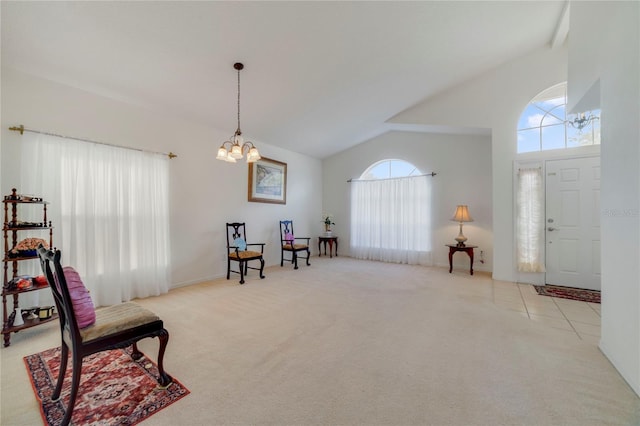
x,y
462,214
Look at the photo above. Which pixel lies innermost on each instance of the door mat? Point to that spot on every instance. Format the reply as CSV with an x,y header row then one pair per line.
x,y
114,388
581,294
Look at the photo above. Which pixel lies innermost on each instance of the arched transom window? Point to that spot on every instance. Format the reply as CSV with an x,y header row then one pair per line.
x,y
545,125
387,169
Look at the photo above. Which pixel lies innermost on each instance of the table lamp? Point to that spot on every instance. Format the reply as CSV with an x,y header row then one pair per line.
x,y
461,215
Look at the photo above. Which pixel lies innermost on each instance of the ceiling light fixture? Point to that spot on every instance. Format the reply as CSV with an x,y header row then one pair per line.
x,y
235,147
582,120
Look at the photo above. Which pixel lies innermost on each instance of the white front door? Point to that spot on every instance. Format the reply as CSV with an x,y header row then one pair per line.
x,y
573,222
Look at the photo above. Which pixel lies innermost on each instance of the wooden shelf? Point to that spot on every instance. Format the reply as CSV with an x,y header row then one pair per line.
x,y
10,201
17,259
23,228
28,324
25,290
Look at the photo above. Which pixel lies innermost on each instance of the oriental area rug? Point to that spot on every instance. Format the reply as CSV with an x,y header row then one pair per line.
x,y
114,388
581,294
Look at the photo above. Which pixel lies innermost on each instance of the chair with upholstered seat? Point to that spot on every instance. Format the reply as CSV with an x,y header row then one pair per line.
x,y
237,251
288,244
86,331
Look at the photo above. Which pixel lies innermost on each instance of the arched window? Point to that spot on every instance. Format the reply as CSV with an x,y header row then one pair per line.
x,y
544,124
390,214
386,169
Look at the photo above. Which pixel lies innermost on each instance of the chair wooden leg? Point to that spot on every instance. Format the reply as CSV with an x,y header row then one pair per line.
x,y
308,256
261,268
242,272
281,258
75,384
228,267
164,380
135,352
64,357
295,260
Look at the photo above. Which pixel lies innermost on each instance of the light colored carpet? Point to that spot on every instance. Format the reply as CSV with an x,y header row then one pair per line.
x,y
348,342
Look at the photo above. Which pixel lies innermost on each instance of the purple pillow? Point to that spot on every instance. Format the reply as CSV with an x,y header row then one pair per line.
x,y
82,304
288,237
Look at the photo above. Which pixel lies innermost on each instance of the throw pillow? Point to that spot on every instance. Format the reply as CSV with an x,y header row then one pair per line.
x,y
240,243
288,237
82,304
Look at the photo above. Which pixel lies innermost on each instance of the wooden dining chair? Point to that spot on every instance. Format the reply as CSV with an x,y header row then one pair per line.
x,y
288,244
237,251
86,331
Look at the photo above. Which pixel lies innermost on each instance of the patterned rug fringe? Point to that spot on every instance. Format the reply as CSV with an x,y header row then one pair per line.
x,y
581,294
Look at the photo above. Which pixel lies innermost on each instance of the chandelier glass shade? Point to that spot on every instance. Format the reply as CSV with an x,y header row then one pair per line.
x,y
235,148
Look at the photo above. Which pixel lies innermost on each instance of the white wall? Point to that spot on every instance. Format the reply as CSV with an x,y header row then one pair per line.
x,y
495,100
463,167
205,193
609,59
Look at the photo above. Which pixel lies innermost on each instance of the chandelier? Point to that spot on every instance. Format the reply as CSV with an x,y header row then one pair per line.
x,y
234,148
582,120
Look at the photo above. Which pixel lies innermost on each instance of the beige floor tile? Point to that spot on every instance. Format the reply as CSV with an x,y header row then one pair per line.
x,y
511,305
588,329
515,298
539,300
497,283
579,319
560,323
567,302
595,340
506,290
596,307
545,310
585,314
528,289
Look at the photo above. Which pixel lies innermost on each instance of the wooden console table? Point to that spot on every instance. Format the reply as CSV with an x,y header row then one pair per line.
x,y
331,240
467,249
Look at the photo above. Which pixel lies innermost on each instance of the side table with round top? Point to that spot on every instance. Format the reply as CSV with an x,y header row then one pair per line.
x,y
324,239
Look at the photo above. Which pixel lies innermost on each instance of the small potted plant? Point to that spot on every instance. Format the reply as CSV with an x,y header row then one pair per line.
x,y
327,218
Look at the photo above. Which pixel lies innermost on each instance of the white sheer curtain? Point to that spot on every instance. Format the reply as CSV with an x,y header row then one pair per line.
x,y
530,220
110,212
391,220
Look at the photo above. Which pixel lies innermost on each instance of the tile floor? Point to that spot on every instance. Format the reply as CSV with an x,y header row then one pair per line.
x,y
581,319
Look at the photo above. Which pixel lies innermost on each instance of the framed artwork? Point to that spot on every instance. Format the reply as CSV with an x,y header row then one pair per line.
x,y
268,181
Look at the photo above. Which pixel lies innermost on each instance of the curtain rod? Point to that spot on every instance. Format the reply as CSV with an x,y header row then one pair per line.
x,y
365,180
22,129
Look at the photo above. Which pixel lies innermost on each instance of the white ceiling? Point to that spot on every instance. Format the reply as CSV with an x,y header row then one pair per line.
x,y
319,77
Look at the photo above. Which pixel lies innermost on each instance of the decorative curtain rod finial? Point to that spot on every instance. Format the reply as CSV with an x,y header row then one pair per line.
x,y
19,128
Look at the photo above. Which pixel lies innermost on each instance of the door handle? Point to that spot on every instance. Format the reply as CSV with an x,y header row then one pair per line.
x,y
551,228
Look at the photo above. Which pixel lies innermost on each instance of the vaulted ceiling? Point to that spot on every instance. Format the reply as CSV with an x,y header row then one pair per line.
x,y
319,77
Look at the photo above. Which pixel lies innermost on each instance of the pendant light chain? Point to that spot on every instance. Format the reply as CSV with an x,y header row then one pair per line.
x,y
238,131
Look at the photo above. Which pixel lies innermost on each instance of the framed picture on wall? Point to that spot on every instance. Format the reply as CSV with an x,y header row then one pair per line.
x,y
268,181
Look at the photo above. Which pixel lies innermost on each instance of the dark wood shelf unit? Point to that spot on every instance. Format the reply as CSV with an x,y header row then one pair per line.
x,y
10,232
